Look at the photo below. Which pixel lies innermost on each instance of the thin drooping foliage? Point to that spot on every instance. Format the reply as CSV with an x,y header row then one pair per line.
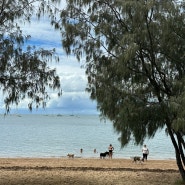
x,y
24,70
134,54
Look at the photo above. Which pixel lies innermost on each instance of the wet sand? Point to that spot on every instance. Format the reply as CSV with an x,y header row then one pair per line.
x,y
87,171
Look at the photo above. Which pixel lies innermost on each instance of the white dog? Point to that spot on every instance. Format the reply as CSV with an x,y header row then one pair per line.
x,y
137,158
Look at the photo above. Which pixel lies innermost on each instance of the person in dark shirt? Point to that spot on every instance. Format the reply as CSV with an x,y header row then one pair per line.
x,y
110,148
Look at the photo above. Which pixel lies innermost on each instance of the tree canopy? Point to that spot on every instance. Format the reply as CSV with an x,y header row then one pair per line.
x,y
134,53
24,72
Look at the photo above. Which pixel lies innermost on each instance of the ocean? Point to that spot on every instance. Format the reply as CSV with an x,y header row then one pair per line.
x,y
41,136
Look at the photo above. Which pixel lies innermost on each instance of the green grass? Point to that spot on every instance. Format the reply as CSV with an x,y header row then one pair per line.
x,y
179,182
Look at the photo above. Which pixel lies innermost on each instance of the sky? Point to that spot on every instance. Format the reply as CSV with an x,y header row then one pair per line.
x,y
74,100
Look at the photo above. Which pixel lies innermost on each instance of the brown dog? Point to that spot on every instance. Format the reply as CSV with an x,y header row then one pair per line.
x,y
70,155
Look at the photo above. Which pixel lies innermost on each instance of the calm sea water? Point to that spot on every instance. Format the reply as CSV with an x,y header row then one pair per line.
x,y
57,135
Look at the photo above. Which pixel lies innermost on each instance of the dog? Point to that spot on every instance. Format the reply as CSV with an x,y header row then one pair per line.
x,y
70,155
103,155
137,159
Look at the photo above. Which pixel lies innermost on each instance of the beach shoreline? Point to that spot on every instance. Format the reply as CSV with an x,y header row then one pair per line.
x,y
83,171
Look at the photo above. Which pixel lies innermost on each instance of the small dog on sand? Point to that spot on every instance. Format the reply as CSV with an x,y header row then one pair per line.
x,y
70,155
103,155
137,159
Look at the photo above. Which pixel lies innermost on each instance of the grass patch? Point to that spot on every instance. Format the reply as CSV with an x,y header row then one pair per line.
x,y
179,182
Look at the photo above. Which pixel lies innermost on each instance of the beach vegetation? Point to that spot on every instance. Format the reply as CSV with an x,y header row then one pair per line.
x,y
134,56
24,70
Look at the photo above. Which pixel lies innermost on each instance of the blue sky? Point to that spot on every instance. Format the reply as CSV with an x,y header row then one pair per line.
x,y
73,80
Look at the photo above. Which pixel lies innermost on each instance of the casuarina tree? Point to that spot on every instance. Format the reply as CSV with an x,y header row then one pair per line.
x,y
134,53
24,72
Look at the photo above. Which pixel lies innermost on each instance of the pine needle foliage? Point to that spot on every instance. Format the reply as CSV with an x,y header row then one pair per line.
x,y
134,52
24,70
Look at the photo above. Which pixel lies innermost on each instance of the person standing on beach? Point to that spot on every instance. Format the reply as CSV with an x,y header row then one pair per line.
x,y
110,148
145,152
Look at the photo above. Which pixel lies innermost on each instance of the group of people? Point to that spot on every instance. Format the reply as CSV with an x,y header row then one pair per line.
x,y
110,148
145,151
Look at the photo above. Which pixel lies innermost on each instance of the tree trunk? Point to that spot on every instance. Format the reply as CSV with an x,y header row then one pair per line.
x,y
180,144
178,154
180,166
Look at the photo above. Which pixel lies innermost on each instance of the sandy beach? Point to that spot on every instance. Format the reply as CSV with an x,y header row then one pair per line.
x,y
86,171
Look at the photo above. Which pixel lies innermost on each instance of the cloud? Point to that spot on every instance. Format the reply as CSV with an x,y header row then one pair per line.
x,y
73,102
43,34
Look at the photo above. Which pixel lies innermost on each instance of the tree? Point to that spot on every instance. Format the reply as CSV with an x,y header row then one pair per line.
x,y
134,58
24,72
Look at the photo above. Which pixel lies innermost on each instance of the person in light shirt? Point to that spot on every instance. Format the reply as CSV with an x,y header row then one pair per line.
x,y
145,152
